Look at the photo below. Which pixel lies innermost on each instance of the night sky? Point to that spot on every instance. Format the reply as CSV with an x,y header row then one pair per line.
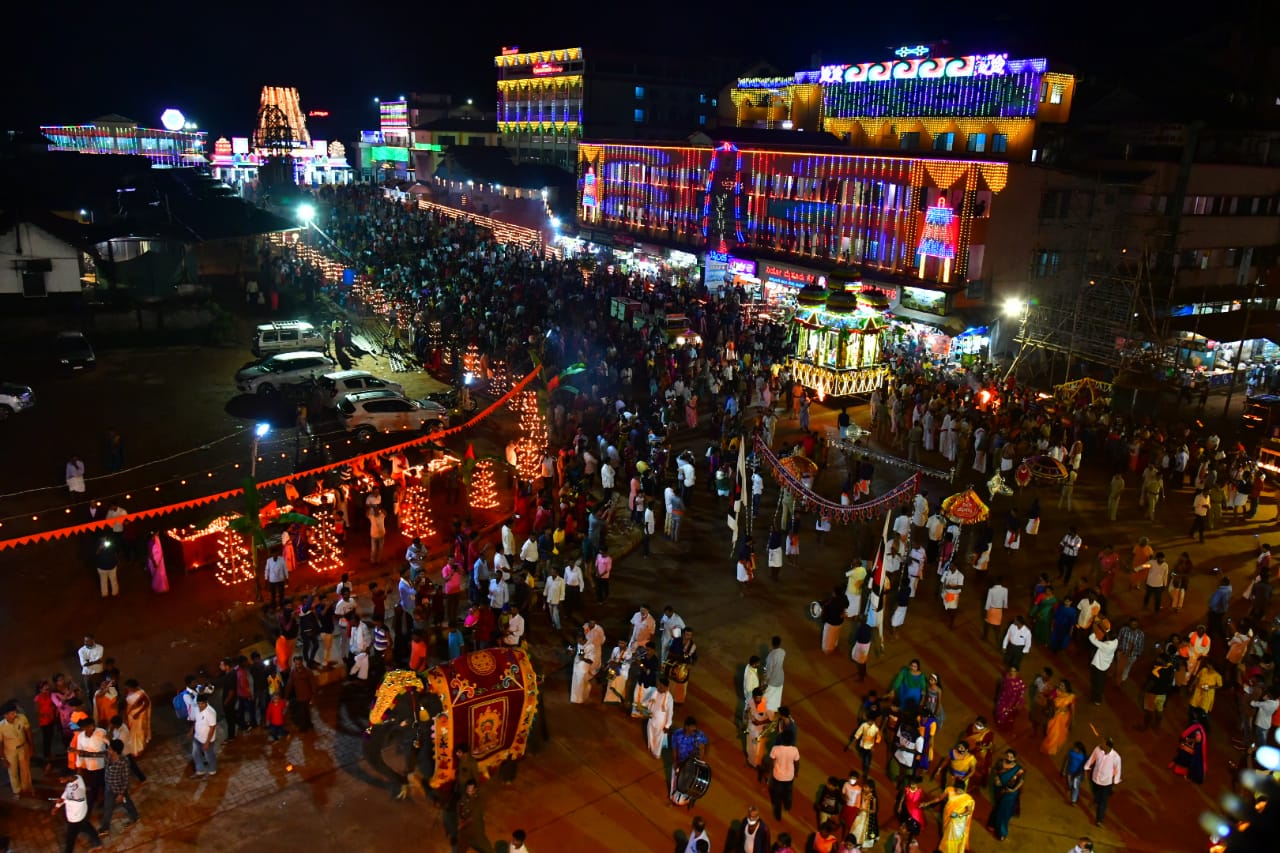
x,y
65,64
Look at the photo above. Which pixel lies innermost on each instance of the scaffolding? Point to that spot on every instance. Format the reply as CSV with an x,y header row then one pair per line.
x,y
1099,308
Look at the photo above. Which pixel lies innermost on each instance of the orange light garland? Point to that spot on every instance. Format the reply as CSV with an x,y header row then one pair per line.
x,y
156,512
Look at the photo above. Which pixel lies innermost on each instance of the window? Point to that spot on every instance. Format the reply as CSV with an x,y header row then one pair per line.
x,y
714,102
639,94
1044,91
33,276
1056,93
908,140
446,141
944,142
639,115
475,140
976,142
702,119
1054,204
1045,263
702,97
999,143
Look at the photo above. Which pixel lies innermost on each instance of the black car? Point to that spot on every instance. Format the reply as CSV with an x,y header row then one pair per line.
x,y
73,351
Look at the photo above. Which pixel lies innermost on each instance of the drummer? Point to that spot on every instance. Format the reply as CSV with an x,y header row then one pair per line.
x,y
681,656
687,743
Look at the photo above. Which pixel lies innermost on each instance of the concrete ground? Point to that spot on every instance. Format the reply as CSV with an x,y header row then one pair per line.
x,y
594,787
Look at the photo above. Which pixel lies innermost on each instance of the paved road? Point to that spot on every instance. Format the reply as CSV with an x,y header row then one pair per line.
x,y
594,787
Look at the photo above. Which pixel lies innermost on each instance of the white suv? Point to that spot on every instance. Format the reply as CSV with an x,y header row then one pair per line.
x,y
15,398
288,368
369,412
344,382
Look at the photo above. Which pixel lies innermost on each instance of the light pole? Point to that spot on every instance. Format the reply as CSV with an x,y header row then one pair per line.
x,y
259,433
1020,308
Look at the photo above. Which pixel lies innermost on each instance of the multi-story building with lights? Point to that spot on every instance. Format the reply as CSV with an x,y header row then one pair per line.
x,y
549,100
891,172
115,134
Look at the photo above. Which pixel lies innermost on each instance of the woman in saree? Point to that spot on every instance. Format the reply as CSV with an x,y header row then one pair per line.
x,y
908,686
866,826
1108,569
137,706
980,739
956,771
909,802
1011,698
957,817
1007,784
1189,760
1062,715
1042,617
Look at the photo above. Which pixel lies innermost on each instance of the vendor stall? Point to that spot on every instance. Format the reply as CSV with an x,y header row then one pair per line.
x,y
836,341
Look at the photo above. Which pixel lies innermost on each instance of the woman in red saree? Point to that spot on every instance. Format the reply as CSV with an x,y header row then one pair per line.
x,y
1189,760
1011,698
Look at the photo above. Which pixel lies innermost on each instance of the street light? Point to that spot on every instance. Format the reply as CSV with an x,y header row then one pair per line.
x,y
306,213
259,433
1017,307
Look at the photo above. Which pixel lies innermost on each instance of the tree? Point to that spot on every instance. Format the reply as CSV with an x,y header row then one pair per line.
x,y
249,525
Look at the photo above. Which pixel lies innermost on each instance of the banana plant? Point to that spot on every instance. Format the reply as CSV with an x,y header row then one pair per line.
x,y
249,525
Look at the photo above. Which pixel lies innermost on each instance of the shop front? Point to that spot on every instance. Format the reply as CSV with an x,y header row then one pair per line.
x,y
923,322
624,254
780,283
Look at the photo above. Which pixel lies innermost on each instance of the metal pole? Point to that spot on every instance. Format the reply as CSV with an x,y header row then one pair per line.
x,y
253,460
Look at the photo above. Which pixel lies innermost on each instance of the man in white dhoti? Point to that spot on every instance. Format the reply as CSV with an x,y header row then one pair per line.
x,y
670,623
947,438
583,661
920,509
642,628
660,708
773,674
595,637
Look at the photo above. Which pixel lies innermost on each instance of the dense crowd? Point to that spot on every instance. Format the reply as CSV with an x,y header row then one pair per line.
x,y
651,429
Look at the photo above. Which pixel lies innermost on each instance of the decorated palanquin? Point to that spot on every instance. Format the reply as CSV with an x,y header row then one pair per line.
x,y
487,699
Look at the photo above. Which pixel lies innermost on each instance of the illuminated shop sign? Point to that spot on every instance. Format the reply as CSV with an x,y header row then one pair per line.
x,y
790,276
912,50
923,68
547,68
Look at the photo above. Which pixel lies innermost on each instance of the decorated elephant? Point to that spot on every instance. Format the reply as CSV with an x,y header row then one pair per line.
x,y
487,699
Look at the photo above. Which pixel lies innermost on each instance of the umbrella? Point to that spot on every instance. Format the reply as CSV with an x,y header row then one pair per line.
x,y
1046,468
798,465
965,507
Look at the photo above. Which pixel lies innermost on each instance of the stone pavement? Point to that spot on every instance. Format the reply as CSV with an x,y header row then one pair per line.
x,y
594,787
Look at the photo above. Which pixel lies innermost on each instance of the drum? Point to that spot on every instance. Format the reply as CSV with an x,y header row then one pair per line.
x,y
678,672
693,780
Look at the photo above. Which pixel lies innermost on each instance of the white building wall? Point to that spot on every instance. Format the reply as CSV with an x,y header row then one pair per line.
x,y
37,244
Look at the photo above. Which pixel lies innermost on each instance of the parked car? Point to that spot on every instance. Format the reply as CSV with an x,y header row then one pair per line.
x,y
343,382
73,351
271,374
287,336
15,398
369,412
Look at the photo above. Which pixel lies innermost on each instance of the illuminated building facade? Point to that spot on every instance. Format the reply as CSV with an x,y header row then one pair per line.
x,y
315,161
550,100
115,134
914,218
982,106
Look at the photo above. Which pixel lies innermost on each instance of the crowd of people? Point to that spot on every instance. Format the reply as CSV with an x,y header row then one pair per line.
x,y
647,420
